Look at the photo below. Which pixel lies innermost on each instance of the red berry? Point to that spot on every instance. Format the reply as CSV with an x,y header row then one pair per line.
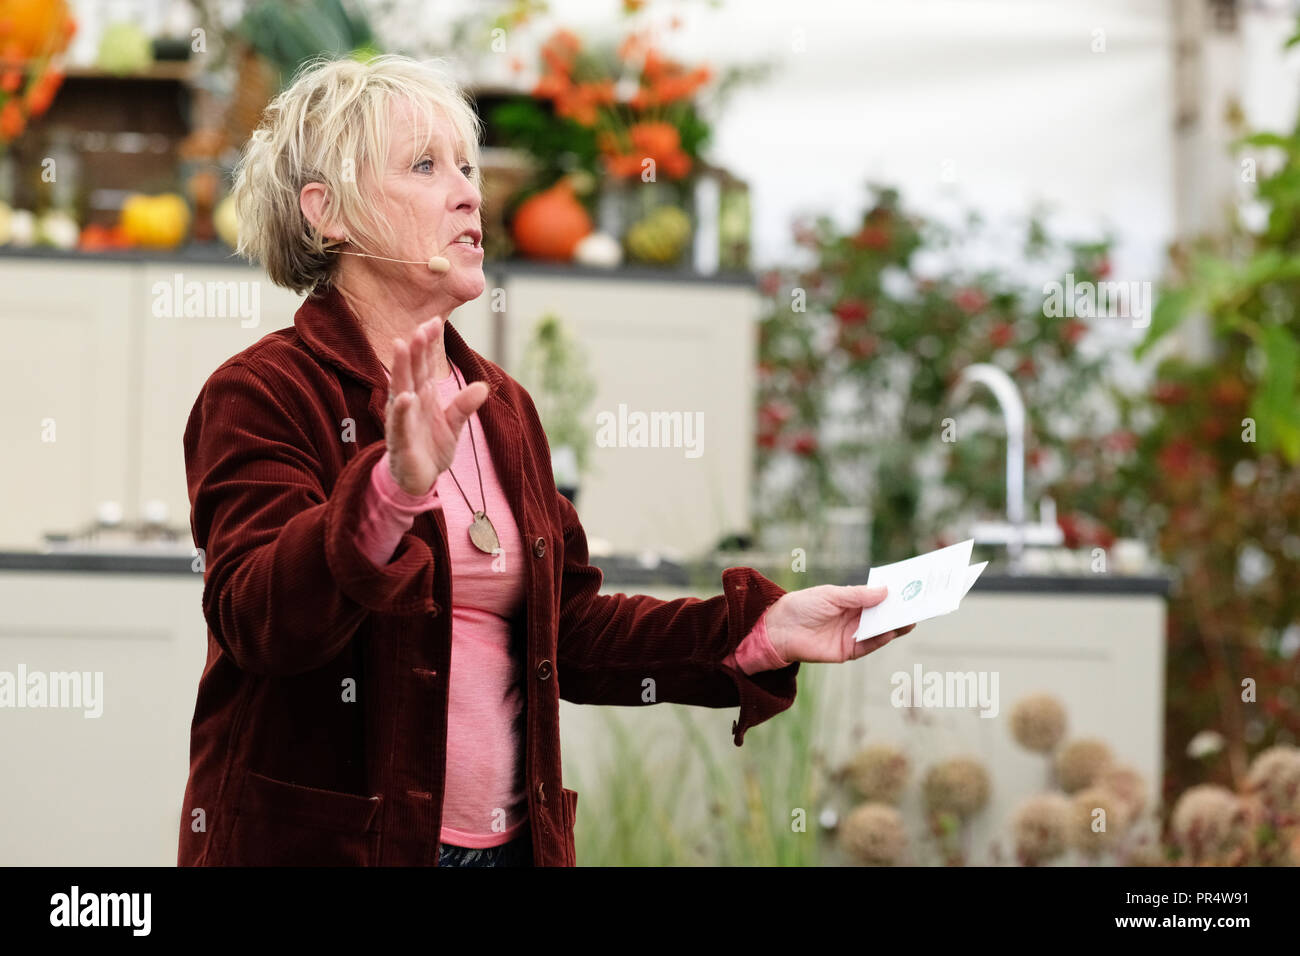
x,y
852,311
1002,335
970,300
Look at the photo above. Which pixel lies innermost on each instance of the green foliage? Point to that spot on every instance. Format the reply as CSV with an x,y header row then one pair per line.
x,y
555,144
1213,477
639,812
1250,305
287,33
863,320
555,371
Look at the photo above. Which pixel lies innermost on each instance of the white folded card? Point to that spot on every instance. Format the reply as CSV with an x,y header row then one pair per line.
x,y
919,588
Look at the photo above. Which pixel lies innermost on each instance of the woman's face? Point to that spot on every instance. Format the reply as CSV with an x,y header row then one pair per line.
x,y
430,201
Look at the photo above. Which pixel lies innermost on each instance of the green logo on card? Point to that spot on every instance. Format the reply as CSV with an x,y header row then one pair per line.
x,y
912,590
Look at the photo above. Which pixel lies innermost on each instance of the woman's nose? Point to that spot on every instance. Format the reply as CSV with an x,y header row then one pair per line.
x,y
466,197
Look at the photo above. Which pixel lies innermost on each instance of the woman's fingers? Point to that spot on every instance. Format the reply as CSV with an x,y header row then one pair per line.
x,y
433,332
435,428
419,358
862,648
400,380
857,596
464,404
401,426
449,422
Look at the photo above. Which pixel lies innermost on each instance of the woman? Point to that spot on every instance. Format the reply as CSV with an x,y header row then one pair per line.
x,y
369,493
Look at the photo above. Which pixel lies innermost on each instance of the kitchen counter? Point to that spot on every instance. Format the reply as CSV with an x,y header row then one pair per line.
x,y
624,569
106,788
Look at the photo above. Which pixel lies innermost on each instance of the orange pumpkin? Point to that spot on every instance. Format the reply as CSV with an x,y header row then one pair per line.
x,y
34,28
550,224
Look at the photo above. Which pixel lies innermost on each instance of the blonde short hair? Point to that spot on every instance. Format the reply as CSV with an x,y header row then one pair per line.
x,y
331,125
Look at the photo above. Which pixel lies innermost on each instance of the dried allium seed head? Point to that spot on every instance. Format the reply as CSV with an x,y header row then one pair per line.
x,y
873,833
1038,722
1274,777
959,786
878,773
1080,763
1090,831
1040,828
1209,822
1130,786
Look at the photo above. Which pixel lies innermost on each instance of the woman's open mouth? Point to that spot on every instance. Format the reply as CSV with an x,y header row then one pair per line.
x,y
471,241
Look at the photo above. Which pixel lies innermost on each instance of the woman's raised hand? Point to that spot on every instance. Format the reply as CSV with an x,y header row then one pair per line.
x,y
422,435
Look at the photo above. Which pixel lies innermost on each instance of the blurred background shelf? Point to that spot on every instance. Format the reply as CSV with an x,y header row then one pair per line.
x,y
219,253
655,339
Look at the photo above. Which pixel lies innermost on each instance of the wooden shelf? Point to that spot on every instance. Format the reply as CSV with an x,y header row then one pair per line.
x,y
160,70
183,70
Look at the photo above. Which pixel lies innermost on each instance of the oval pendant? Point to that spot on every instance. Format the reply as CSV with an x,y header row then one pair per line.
x,y
483,534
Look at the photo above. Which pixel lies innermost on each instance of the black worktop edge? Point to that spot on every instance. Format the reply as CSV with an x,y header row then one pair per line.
x,y
622,572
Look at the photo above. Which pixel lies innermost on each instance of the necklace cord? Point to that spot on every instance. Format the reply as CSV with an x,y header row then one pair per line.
x,y
474,447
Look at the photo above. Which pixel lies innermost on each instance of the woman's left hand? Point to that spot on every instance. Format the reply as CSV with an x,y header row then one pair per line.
x,y
817,624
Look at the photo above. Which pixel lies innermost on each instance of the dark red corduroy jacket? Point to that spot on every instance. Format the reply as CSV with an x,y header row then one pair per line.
x,y
319,734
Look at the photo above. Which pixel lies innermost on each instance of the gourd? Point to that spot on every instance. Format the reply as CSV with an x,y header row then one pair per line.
x,y
124,48
158,222
550,224
599,249
660,237
226,221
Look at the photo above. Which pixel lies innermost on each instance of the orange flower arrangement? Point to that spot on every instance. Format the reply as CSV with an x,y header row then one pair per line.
x,y
32,34
631,130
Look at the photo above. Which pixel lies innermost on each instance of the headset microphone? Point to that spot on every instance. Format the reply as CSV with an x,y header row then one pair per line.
x,y
435,263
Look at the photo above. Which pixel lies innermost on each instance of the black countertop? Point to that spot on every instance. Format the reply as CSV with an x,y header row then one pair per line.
x,y
217,253
625,572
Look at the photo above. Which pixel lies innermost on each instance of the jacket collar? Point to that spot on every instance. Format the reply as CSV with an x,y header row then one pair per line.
x,y
330,329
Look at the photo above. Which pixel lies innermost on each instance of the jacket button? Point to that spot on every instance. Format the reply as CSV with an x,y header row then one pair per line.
x,y
543,670
541,791
539,547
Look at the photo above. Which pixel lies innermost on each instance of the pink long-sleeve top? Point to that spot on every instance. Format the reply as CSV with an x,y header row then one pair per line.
x,y
485,803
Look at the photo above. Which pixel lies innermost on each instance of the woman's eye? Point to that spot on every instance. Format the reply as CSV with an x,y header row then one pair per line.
x,y
468,170
424,162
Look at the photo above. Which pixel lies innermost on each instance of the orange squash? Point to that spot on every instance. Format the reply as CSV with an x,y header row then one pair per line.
x,y
550,224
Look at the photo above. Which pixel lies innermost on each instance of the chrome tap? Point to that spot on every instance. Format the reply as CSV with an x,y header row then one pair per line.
x,y
1013,532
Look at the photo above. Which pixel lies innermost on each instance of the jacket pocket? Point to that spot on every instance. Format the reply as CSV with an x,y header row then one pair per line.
x,y
570,820
286,824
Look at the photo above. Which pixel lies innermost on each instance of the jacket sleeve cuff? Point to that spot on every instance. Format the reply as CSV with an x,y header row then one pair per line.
x,y
402,586
766,693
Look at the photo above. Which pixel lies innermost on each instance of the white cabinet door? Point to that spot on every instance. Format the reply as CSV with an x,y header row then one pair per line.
x,y
682,350
66,429
229,308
